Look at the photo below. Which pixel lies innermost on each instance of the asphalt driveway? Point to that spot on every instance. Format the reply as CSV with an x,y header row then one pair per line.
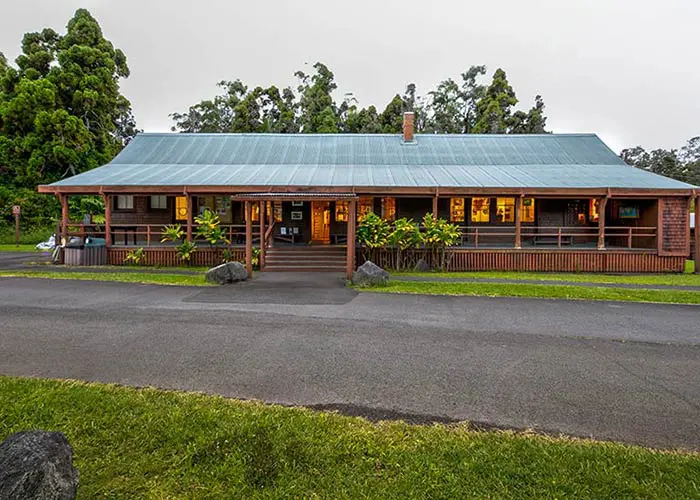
x,y
619,371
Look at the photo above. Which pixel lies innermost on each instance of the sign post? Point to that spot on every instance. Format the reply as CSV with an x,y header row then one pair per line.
x,y
16,211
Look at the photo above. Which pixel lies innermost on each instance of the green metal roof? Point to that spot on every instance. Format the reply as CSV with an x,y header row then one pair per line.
x,y
357,160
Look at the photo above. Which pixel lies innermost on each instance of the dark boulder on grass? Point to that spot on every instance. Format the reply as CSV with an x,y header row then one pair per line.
x,y
230,272
37,465
370,274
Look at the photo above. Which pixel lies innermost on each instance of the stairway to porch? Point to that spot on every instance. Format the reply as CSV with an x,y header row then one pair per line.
x,y
316,258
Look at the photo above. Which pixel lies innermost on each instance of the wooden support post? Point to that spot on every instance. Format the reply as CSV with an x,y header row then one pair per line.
x,y
696,253
148,235
64,217
518,228
190,216
350,250
263,243
601,222
108,219
435,206
248,237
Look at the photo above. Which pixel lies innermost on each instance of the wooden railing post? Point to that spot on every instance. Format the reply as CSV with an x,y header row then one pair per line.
x,y
629,237
190,210
601,222
476,237
262,235
518,228
148,235
108,219
64,216
559,237
248,238
350,249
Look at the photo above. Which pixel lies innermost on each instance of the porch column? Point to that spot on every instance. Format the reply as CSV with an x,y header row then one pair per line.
x,y
518,203
262,234
696,253
248,238
435,206
350,249
64,217
601,222
190,215
108,219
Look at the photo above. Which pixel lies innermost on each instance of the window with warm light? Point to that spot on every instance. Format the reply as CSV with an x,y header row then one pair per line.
x,y
456,209
505,209
277,211
389,208
365,206
480,209
527,210
181,208
594,210
255,212
341,211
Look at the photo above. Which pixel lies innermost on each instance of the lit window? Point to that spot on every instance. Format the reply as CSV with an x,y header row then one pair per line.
x,y
365,206
159,202
256,212
527,210
456,209
505,209
277,211
594,209
125,202
341,211
480,209
389,208
181,208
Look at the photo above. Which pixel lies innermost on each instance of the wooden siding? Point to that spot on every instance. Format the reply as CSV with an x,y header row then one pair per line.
x,y
551,261
167,256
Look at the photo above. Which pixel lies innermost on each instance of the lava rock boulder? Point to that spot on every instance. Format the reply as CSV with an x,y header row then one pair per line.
x,y
230,272
370,274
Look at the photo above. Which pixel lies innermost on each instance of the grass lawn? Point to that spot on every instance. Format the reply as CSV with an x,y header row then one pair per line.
x,y
686,279
18,248
146,278
538,291
131,443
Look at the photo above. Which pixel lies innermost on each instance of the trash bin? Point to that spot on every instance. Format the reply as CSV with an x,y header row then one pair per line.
x,y
92,252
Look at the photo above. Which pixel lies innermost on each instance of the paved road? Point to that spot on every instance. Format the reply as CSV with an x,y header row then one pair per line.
x,y
617,371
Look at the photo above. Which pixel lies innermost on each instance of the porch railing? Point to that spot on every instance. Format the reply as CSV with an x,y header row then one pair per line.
x,y
150,234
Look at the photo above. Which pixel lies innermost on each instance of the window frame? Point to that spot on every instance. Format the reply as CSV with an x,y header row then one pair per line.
x,y
488,210
342,211
120,197
502,202
159,196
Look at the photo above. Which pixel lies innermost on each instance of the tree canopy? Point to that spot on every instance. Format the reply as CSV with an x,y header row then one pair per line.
x,y
463,106
683,164
61,110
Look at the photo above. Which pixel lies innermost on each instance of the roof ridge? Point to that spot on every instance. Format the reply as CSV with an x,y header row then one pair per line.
x,y
398,134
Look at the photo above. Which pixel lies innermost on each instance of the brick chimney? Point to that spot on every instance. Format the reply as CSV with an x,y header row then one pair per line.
x,y
408,126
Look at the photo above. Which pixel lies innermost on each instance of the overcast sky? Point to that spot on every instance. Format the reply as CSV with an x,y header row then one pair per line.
x,y
625,69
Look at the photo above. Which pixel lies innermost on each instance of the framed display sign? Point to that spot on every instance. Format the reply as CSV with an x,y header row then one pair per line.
x,y
297,203
297,215
629,212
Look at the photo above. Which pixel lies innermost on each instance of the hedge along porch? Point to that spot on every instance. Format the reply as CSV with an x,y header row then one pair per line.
x,y
544,202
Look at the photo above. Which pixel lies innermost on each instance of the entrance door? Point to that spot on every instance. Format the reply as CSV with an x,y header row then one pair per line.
x,y
320,222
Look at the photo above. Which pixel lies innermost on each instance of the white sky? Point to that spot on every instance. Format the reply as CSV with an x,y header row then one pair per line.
x,y
625,69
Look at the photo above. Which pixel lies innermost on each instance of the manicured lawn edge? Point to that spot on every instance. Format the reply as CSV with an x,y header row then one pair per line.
x,y
20,248
144,278
537,291
159,444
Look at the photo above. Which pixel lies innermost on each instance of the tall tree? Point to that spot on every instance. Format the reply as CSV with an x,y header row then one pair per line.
x,y
62,111
494,109
317,110
532,122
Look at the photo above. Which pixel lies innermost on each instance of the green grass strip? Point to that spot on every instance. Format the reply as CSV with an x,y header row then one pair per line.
x,y
538,291
18,248
146,278
146,443
642,279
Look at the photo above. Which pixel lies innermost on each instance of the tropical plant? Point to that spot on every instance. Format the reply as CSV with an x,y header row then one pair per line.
x,y
135,257
372,233
438,236
185,250
404,236
172,233
209,228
